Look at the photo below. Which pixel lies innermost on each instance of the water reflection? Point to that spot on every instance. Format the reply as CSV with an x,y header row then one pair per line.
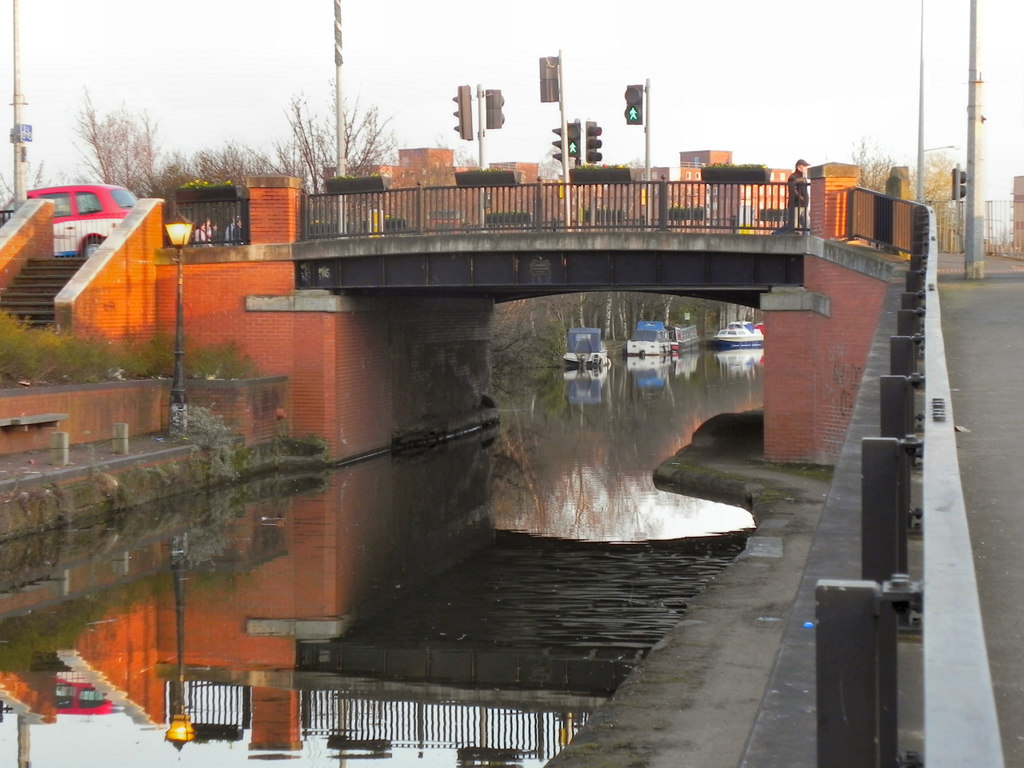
x,y
227,609
583,471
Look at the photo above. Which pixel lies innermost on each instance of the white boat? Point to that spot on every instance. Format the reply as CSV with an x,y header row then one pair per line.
x,y
650,339
585,349
737,335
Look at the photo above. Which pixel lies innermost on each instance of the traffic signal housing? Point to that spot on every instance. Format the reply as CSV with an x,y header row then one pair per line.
x,y
495,101
959,184
634,112
571,143
464,113
593,141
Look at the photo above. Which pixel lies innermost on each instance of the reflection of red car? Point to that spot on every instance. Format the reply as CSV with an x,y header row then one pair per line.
x,y
76,697
84,214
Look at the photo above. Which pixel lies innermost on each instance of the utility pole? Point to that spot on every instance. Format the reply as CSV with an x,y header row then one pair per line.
x,y
339,101
920,117
18,132
974,246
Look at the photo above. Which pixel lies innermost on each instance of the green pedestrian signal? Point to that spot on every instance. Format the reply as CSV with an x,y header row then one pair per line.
x,y
571,143
634,105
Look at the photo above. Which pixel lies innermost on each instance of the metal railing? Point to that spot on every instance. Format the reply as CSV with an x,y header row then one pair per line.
x,y
726,208
887,221
221,222
859,621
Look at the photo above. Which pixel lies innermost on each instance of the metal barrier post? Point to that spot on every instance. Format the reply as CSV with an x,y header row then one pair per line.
x,y
847,664
908,322
897,407
903,357
884,514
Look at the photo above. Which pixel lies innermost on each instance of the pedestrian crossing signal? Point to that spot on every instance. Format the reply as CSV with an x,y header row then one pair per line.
x,y
634,105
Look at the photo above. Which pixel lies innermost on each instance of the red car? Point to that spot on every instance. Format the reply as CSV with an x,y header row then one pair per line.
x,y
84,214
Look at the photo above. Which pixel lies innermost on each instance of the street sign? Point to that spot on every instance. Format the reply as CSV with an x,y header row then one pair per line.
x,y
24,132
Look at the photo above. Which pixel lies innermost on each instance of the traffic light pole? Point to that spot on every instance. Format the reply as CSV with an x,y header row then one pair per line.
x,y
481,122
647,130
565,138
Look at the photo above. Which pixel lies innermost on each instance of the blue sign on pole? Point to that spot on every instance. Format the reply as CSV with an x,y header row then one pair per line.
x,y
25,132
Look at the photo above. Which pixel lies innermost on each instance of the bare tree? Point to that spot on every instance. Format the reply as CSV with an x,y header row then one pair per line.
x,y
312,145
119,148
874,165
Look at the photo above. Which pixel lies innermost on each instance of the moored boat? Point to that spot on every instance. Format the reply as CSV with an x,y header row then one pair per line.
x,y
650,339
585,349
737,335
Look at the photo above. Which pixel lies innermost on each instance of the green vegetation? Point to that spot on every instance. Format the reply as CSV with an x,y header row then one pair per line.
x,y
44,356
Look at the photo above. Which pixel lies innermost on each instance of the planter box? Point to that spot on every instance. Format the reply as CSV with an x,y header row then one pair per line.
x,y
735,175
487,178
508,218
600,175
210,194
686,214
356,185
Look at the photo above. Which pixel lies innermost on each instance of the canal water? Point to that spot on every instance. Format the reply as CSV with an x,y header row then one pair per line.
x,y
471,604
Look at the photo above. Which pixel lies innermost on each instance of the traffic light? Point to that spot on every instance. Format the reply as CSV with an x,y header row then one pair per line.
x,y
634,105
959,184
464,113
593,143
495,101
572,141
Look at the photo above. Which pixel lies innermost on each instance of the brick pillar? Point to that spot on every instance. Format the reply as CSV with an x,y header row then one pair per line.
x,y
829,185
274,205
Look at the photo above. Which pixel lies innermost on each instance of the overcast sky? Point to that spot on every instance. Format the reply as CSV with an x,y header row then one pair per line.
x,y
770,81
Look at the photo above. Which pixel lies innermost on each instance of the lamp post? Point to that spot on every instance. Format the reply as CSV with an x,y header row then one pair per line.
x,y
179,230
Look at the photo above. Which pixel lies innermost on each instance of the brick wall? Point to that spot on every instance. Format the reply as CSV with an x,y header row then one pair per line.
x,y
814,364
112,296
28,235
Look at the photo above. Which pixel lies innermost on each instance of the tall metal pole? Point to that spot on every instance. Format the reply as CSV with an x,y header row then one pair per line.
x,y
647,130
20,150
565,138
481,132
920,118
974,247
339,101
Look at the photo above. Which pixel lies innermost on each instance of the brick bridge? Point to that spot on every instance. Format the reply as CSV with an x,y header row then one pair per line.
x,y
364,328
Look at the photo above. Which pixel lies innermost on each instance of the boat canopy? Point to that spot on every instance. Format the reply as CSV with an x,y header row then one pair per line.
x,y
584,340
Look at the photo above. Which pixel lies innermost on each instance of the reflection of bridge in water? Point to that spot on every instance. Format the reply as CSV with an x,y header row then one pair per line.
x,y
362,718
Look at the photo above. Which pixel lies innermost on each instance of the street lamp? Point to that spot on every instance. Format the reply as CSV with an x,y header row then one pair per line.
x,y
179,230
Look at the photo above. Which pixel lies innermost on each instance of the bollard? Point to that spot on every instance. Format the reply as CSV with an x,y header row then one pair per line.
x,y
60,453
119,441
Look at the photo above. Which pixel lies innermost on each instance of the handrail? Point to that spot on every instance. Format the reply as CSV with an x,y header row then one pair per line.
x,y
886,220
961,727
691,206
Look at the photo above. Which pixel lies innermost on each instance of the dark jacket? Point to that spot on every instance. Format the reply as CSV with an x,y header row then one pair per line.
x,y
797,183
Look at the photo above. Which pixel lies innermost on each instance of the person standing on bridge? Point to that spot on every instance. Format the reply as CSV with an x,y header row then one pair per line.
x,y
796,214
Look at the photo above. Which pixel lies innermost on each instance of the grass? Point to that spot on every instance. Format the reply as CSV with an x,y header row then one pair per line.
x,y
30,356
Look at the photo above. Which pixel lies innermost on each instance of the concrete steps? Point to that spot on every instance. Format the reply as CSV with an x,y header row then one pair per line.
x,y
31,294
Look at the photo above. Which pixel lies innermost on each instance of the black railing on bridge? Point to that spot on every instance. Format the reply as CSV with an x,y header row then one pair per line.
x,y
217,222
687,206
887,221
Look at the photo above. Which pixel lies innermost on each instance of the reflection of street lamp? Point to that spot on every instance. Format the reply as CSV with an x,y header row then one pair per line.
x,y
180,731
179,230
